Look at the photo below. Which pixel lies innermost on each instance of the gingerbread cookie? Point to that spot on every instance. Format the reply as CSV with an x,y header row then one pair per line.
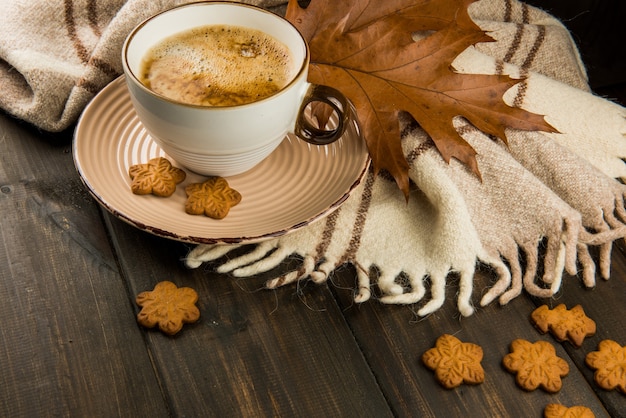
x,y
213,198
536,365
455,362
609,363
157,177
168,306
564,324
554,410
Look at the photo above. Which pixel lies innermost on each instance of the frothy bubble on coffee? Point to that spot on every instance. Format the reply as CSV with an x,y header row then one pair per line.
x,y
218,65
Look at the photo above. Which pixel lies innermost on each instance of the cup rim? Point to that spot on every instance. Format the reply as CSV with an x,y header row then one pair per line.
x,y
139,26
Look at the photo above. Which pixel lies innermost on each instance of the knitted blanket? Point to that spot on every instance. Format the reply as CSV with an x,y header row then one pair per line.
x,y
543,202
56,55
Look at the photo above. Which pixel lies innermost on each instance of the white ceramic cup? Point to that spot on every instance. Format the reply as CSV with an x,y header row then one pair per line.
x,y
225,141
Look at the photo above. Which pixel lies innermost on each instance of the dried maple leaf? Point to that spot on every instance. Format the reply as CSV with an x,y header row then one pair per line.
x,y
366,49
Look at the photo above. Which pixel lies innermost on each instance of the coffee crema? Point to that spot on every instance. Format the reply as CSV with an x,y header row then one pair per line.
x,y
217,65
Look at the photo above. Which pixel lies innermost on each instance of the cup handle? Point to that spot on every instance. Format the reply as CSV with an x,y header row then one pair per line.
x,y
306,131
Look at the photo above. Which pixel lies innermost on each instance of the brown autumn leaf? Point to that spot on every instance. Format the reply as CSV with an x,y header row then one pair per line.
x,y
366,49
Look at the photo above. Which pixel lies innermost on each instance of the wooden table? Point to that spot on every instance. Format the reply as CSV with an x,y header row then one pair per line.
x,y
70,344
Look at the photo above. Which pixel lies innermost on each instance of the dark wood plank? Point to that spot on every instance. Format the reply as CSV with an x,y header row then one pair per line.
x,y
606,305
394,338
253,352
70,344
68,341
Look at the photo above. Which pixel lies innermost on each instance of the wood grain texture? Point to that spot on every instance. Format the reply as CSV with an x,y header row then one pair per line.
x,y
70,344
400,338
253,352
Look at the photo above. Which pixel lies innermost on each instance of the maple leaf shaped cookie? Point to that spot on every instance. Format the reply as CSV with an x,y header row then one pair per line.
x,y
610,365
536,365
168,306
455,362
554,410
564,324
213,198
157,177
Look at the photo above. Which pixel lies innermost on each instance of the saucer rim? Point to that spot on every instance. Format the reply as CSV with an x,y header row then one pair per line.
x,y
91,111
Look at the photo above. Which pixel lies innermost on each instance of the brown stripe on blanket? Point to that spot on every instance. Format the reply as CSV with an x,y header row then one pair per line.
x,y
422,148
104,67
519,33
526,65
410,126
361,216
89,85
70,24
92,15
517,41
327,234
525,14
508,10
541,36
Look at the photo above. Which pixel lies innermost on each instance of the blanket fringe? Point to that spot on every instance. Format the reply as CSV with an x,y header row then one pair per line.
x,y
586,208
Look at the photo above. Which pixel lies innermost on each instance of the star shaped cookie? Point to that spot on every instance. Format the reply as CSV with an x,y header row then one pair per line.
x,y
455,362
536,365
610,365
564,324
212,198
168,306
158,177
555,410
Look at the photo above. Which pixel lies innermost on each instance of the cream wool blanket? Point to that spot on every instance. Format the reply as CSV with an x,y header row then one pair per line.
x,y
543,202
55,55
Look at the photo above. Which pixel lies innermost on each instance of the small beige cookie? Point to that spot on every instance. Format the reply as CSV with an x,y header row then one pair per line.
x,y
535,365
168,306
157,177
554,410
455,362
564,324
609,363
212,198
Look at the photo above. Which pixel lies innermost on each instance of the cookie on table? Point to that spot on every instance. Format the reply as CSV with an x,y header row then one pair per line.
x,y
535,365
212,198
455,362
554,410
158,177
168,306
572,325
609,363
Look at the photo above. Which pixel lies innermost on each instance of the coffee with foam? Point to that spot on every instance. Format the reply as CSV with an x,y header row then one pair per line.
x,y
218,65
